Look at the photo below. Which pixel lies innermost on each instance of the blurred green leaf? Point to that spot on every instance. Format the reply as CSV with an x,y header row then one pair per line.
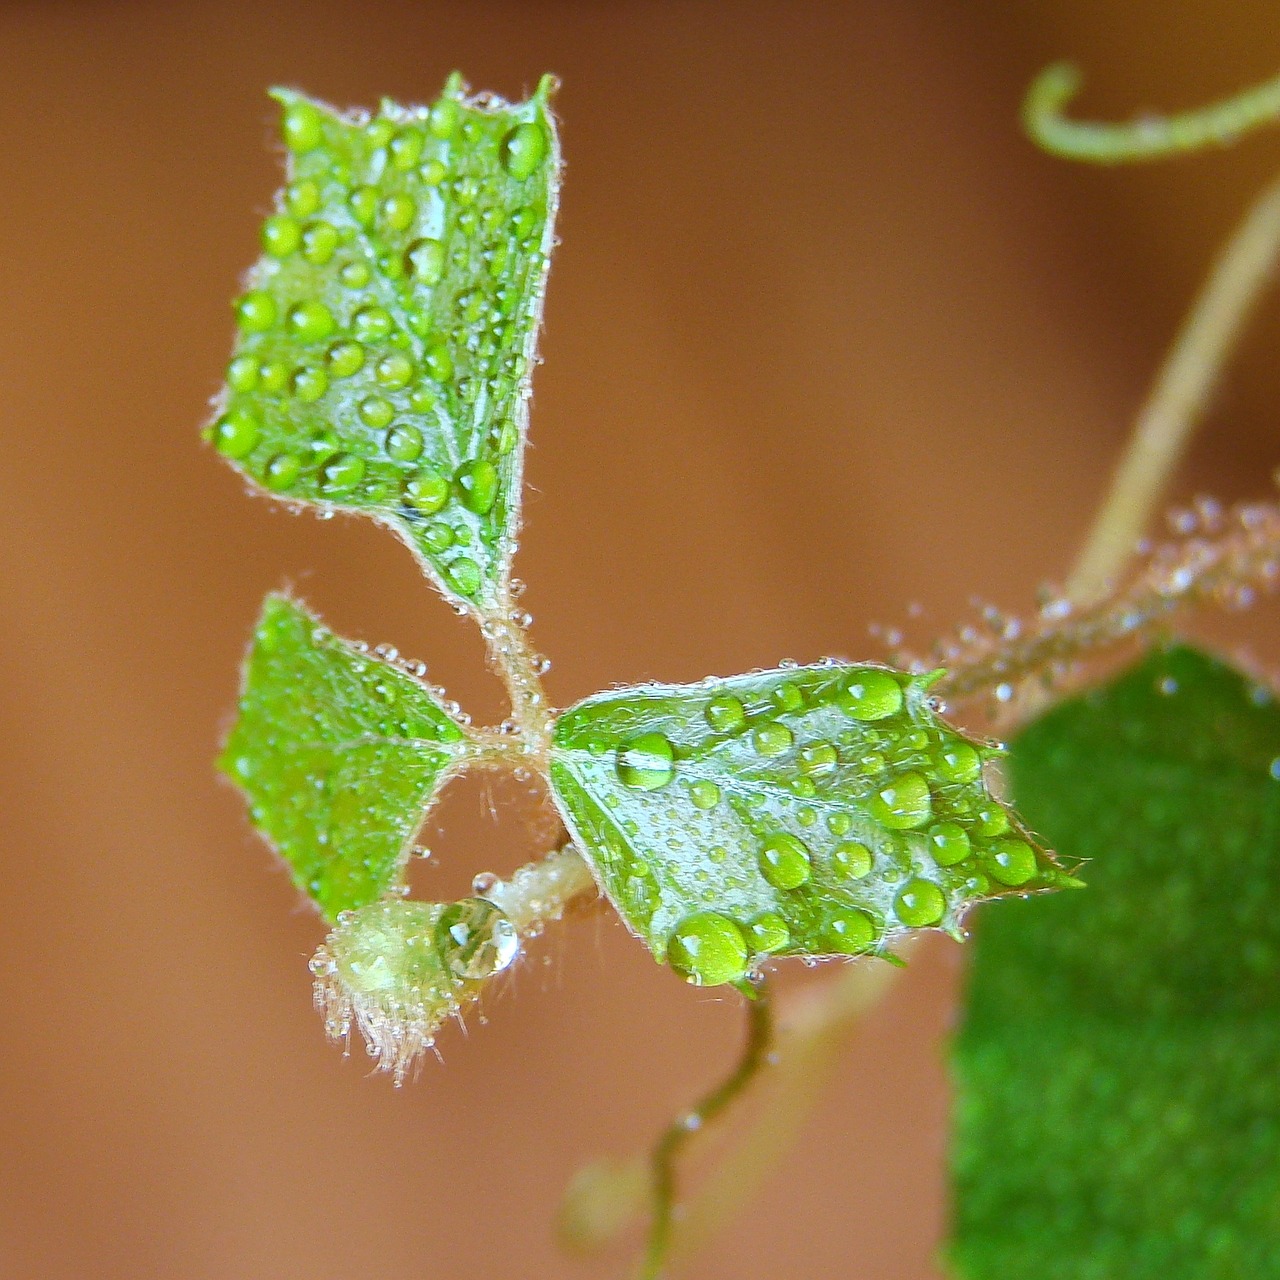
x,y
1118,1070
387,334
338,754
806,811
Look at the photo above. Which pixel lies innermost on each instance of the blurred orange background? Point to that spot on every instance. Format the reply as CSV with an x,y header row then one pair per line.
x,y
825,338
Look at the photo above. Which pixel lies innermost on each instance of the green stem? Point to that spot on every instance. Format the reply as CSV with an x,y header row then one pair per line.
x,y
1178,398
1148,138
666,1151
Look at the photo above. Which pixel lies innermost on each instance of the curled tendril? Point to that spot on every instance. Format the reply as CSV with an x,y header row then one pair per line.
x,y
1148,138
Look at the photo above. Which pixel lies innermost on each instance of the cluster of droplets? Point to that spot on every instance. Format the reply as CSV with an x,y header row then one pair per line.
x,y
1217,556
396,970
861,814
385,338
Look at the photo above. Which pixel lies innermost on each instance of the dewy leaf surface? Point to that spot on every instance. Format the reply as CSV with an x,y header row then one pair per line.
x,y
1118,1070
386,335
338,754
804,811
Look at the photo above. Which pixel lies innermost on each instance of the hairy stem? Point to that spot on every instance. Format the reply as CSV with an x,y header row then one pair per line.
x,y
514,659
541,891
667,1150
1147,138
1182,388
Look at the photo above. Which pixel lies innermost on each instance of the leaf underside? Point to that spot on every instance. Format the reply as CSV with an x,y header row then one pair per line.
x,y
1118,1070
821,810
338,754
386,337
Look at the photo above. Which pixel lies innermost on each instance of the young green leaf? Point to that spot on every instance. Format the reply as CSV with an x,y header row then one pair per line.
x,y
1118,1102
806,811
387,334
338,754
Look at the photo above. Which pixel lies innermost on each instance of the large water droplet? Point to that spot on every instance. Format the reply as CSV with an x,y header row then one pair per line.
x,y
772,739
236,433
281,235
948,843
1011,862
903,804
768,932
848,931
478,486
646,763
404,443
704,793
342,473
302,127
464,576
726,713
425,259
958,762
311,321
427,490
319,243
919,904
524,149
476,939
256,312
872,695
784,861
851,860
282,471
345,359
708,949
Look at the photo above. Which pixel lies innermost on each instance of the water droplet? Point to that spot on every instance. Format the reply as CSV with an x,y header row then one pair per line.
x,y
372,324
990,820
434,173
398,211
787,697
464,576
903,804
273,375
726,713
281,235
708,949
310,383
840,823
311,321
848,931
851,861
475,939
302,127
406,149
342,473
772,739
364,204
819,757
256,312
242,373
704,794
319,243
523,149
958,762
438,537
425,259
394,371
1011,862
427,490
443,117
355,275
948,843
478,486
438,362
376,412
919,904
784,861
345,359
646,763
872,695
768,932
1167,686
404,444
302,198
236,433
